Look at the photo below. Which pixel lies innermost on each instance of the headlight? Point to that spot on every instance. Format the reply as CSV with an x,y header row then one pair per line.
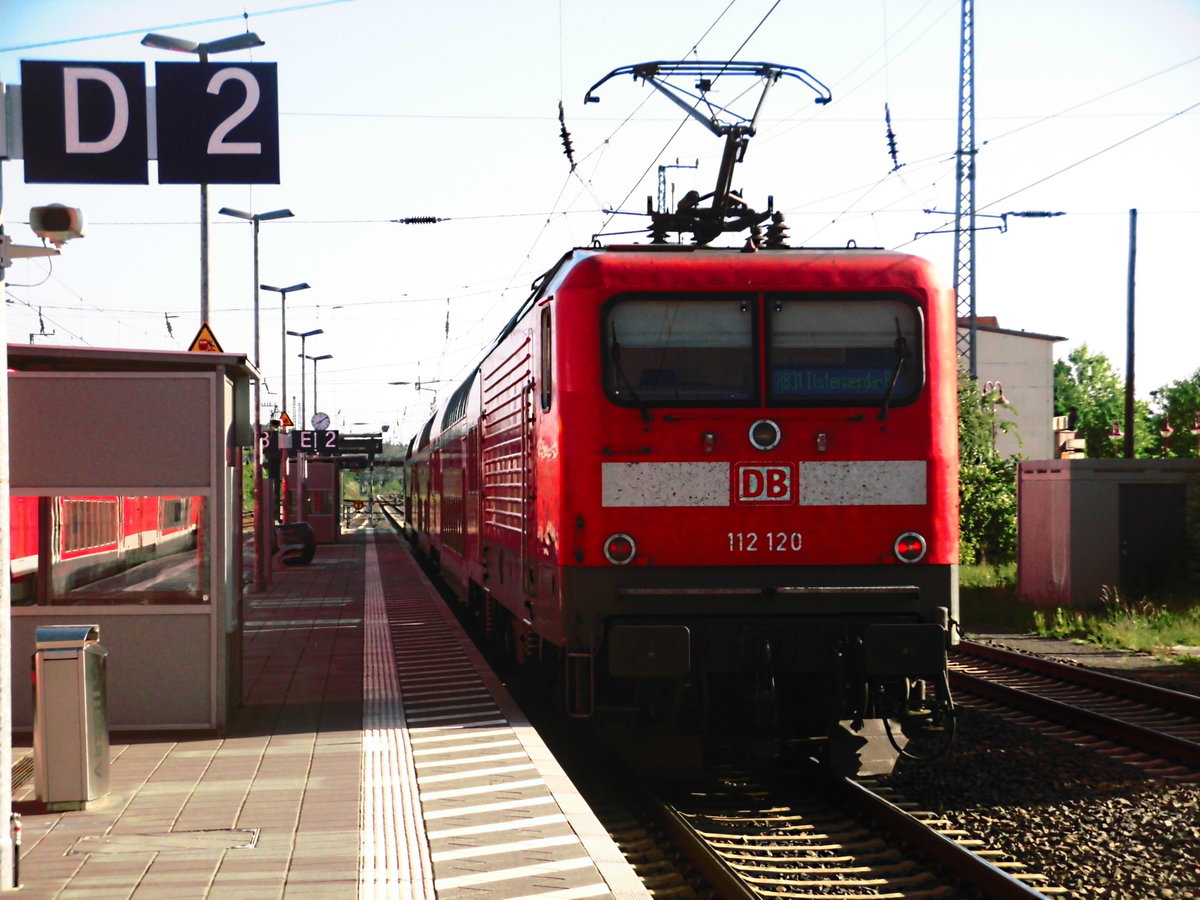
x,y
764,434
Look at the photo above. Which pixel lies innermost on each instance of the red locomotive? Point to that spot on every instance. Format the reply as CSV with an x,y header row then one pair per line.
x,y
712,491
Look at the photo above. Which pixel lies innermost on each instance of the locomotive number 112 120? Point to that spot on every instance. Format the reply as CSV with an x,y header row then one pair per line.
x,y
770,541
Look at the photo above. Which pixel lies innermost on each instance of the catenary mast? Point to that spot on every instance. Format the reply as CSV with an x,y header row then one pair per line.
x,y
964,207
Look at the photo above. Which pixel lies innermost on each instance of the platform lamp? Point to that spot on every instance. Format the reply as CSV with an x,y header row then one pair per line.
x,y
202,49
283,292
301,461
1166,431
315,360
304,336
1115,433
261,568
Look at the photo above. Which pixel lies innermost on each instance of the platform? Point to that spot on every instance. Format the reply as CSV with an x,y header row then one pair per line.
x,y
375,755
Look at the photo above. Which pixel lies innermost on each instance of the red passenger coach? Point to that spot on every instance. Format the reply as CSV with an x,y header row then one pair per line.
x,y
88,539
714,492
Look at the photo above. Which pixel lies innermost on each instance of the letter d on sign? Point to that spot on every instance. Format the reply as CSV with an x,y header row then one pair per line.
x,y
120,120
84,122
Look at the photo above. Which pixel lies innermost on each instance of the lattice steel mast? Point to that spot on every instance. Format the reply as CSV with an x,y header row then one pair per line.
x,y
964,235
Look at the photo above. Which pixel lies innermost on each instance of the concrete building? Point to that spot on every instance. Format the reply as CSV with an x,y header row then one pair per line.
x,y
1092,526
1019,366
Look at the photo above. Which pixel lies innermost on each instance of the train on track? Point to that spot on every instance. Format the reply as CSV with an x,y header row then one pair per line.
x,y
710,493
89,539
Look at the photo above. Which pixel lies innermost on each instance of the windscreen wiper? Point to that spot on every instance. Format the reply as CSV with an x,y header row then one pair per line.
x,y
901,346
615,349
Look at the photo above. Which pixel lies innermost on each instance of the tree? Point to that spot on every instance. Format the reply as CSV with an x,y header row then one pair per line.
x,y
1090,392
987,484
1179,405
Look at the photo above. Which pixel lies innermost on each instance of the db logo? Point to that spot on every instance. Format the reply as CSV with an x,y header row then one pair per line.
x,y
763,484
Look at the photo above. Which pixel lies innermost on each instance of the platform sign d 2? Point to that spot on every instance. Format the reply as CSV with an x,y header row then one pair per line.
x,y
218,123
84,122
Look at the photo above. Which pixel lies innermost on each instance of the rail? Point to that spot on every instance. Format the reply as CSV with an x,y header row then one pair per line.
x,y
1146,717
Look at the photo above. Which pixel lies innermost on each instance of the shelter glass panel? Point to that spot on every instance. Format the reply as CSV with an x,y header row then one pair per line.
x,y
117,550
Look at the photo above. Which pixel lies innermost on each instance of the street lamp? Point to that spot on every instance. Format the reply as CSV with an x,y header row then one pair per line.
x,y
304,336
260,520
202,49
315,360
244,41
1166,431
254,219
283,292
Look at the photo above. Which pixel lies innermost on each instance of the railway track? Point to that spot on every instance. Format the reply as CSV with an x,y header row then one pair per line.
x,y
791,836
1154,728
781,835
820,836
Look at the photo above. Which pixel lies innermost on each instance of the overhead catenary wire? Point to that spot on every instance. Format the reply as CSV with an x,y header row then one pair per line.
x,y
1076,164
58,42
946,159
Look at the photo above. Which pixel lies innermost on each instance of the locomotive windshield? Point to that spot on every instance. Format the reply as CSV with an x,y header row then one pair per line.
x,y
681,351
839,350
704,350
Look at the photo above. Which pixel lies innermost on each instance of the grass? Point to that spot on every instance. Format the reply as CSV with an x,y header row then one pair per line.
x,y
1154,625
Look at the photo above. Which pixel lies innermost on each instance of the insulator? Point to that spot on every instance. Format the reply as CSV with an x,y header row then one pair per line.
x,y
418,220
891,138
566,137
777,233
658,229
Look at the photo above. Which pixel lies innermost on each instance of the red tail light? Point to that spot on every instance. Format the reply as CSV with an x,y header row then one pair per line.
x,y
910,547
619,549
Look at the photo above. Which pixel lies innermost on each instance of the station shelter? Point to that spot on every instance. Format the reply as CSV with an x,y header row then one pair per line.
x,y
126,504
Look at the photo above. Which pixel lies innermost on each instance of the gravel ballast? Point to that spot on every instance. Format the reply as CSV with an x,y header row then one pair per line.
x,y
1098,827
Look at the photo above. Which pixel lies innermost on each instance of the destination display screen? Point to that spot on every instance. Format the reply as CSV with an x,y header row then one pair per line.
x,y
829,382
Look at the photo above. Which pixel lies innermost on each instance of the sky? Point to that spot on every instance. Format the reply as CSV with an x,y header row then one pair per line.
x,y
393,109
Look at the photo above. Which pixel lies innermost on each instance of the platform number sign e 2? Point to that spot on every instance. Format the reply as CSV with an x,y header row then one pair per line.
x,y
324,443
87,122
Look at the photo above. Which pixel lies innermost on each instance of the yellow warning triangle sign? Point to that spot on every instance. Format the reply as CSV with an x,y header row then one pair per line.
x,y
285,421
205,341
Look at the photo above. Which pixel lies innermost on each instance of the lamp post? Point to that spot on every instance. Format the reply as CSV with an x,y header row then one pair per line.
x,y
261,569
202,49
254,219
283,292
1166,431
304,336
315,360
302,459
1115,434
